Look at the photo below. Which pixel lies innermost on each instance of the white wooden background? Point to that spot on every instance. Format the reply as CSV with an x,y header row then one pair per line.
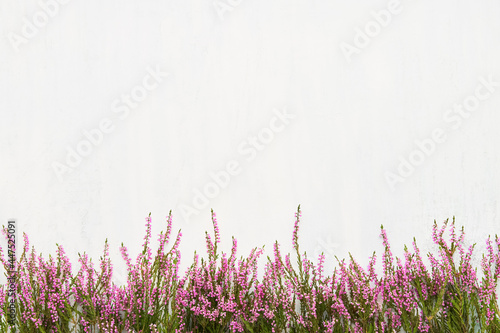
x,y
327,104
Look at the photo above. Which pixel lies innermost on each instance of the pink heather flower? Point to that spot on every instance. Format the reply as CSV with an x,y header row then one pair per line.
x,y
295,239
216,228
210,245
321,260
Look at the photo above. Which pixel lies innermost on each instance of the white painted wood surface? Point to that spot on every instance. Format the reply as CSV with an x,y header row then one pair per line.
x,y
231,66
